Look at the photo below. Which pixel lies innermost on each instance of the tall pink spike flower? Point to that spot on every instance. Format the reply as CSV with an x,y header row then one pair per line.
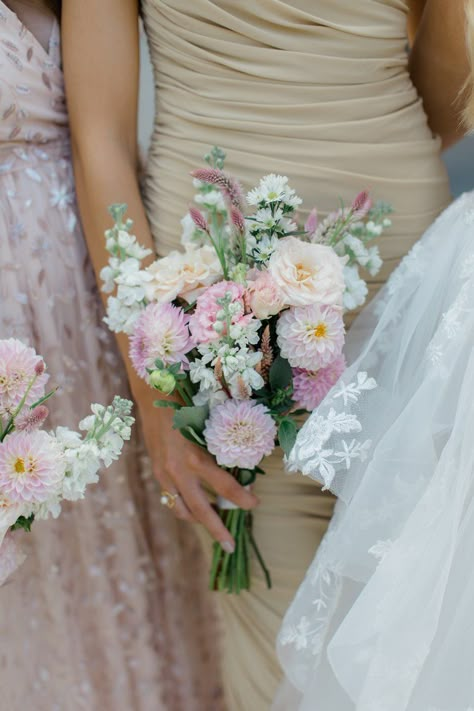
x,y
198,219
311,223
229,185
238,220
30,420
361,204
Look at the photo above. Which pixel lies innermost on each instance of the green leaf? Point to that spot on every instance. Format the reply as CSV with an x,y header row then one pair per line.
x,y
194,417
287,435
159,364
168,403
44,398
281,375
23,523
246,477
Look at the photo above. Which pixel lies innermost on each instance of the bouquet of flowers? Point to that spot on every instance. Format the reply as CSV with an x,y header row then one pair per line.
x,y
39,469
245,323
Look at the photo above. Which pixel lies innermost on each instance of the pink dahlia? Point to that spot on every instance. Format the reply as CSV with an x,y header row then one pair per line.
x,y
239,433
202,322
160,332
32,467
311,337
310,388
19,366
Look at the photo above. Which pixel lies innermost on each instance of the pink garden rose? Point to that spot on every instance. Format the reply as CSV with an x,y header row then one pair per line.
x,y
160,332
307,273
239,433
263,295
311,337
310,388
202,322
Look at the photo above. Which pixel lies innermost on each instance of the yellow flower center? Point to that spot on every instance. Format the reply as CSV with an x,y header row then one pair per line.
x,y
302,272
321,330
19,466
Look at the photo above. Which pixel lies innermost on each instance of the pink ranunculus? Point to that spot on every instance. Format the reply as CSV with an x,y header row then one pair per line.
x,y
32,467
19,364
263,295
310,388
239,433
307,273
160,332
311,337
204,318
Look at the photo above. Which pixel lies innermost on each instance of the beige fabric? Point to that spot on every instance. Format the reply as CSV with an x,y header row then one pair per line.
x,y
110,611
318,91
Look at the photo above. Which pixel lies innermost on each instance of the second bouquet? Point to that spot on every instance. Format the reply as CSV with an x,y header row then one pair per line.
x,y
245,323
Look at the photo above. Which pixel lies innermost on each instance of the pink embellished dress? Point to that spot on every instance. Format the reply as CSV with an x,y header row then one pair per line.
x,y
110,610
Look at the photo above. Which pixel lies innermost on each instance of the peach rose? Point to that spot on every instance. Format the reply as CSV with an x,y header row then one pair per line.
x,y
264,297
183,274
307,273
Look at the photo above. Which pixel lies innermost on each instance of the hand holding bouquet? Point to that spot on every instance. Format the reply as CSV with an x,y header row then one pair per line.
x,y
246,323
39,469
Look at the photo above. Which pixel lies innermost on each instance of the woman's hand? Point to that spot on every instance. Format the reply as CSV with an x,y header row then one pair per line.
x,y
185,469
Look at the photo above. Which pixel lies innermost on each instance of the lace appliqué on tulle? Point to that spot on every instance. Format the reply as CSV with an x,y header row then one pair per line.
x,y
313,455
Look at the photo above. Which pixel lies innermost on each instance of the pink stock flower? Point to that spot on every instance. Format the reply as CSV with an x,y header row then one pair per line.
x,y
30,420
263,296
229,186
202,322
310,388
311,337
239,433
19,364
161,332
361,205
32,467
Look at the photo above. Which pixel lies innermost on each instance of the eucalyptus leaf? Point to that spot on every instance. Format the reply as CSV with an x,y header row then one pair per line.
x,y
168,403
281,375
194,417
287,432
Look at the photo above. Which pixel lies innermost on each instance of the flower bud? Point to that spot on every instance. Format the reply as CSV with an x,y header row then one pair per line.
x,y
40,367
163,381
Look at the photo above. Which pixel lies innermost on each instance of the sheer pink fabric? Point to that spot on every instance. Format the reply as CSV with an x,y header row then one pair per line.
x,y
110,610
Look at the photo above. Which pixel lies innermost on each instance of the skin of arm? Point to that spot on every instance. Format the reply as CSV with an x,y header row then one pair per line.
x,y
101,66
439,65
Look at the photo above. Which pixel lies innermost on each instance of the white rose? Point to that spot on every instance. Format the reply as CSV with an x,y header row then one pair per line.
x,y
307,273
183,274
167,278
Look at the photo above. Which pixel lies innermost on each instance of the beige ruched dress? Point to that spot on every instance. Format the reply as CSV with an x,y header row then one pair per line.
x,y
317,90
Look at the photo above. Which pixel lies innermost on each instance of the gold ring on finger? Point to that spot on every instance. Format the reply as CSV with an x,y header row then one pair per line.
x,y
169,500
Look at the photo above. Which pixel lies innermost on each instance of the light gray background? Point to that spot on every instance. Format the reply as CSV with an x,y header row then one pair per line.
x,y
458,159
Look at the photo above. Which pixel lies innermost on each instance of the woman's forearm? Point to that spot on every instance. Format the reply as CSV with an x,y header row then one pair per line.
x,y
106,174
439,66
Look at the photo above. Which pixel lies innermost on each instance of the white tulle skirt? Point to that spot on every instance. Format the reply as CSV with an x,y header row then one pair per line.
x,y
384,620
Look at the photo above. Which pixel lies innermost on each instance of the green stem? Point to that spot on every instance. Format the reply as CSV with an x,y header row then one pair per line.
x,y
266,572
181,390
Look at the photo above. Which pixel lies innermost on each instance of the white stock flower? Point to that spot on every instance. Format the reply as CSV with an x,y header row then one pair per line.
x,y
131,282
213,198
356,288
121,318
189,232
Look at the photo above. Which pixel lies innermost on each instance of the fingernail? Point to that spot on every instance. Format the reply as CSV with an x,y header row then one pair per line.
x,y
228,546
